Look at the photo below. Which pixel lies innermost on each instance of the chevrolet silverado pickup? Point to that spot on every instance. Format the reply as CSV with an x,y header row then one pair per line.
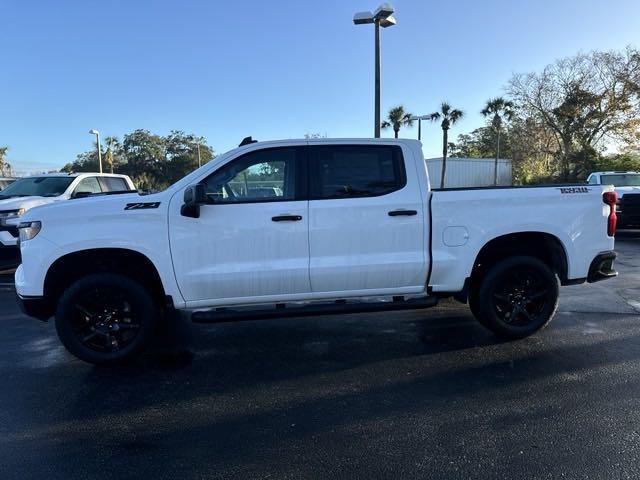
x,y
627,187
293,228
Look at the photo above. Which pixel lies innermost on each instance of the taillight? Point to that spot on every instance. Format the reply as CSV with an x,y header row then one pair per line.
x,y
610,198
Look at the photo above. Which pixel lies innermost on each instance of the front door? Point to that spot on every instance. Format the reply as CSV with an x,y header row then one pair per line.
x,y
250,243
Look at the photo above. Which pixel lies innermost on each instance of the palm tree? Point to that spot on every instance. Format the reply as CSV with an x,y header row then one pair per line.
x,y
498,108
396,118
112,145
449,117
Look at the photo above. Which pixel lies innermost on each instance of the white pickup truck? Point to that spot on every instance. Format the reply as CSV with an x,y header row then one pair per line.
x,y
290,228
28,192
627,187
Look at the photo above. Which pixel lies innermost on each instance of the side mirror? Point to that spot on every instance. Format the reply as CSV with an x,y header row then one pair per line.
x,y
81,195
194,196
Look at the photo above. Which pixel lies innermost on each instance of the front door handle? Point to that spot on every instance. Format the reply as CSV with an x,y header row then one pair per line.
x,y
287,218
397,213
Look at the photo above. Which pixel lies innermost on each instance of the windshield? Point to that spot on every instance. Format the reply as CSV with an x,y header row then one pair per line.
x,y
37,186
621,180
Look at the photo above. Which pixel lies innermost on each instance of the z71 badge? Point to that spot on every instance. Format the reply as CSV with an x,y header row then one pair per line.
x,y
574,190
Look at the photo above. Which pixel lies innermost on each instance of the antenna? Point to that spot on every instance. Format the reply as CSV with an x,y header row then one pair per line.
x,y
247,141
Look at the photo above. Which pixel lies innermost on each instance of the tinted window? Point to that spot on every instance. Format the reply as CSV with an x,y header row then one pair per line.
x,y
265,175
622,180
88,185
113,184
38,186
356,171
593,180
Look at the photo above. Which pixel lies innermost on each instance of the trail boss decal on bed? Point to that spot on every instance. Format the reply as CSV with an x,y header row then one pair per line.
x,y
141,205
574,190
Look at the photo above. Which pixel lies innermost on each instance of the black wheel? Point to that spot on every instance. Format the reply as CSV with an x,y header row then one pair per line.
x,y
517,297
105,318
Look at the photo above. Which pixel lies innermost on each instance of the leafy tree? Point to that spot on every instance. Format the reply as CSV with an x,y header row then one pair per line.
x,y
396,118
585,102
145,153
480,143
182,154
449,117
625,161
152,161
5,167
497,109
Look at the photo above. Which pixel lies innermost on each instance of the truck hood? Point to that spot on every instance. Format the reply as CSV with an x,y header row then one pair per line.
x,y
91,206
26,202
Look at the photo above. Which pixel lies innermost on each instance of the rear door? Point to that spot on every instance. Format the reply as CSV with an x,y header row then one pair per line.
x,y
367,231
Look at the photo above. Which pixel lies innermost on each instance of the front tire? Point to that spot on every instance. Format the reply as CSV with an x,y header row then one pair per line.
x,y
516,297
105,318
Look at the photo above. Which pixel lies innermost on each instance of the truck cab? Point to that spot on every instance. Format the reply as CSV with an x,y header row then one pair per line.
x,y
627,187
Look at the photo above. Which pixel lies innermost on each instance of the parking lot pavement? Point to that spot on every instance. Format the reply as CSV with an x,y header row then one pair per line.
x,y
393,395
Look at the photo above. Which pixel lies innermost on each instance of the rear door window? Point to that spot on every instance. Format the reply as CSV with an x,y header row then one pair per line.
x,y
347,171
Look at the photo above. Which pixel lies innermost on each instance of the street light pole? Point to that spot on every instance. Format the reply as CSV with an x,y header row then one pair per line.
x,y
382,17
199,160
419,118
376,126
95,132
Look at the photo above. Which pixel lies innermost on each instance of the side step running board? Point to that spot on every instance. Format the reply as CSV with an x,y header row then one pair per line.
x,y
280,310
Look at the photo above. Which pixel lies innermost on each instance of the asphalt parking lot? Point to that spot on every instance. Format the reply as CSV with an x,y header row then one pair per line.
x,y
425,394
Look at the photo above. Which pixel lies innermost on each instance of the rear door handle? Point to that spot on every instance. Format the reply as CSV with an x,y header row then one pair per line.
x,y
397,213
287,218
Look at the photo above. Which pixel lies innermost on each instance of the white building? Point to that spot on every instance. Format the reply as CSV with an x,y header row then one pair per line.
x,y
469,172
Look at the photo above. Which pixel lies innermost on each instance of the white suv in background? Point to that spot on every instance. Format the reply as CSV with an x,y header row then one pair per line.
x,y
29,192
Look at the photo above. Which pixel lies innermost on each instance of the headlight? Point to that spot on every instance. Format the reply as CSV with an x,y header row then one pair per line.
x,y
29,230
7,214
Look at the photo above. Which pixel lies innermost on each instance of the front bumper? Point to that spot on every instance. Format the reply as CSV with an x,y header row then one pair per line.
x,y
602,267
36,307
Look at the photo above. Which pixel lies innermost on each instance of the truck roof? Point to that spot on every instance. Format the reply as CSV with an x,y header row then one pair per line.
x,y
75,174
615,172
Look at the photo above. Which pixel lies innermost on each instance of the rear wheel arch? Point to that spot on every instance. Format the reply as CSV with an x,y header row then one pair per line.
x,y
541,245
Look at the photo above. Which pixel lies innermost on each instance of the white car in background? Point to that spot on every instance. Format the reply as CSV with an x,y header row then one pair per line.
x,y
627,186
28,192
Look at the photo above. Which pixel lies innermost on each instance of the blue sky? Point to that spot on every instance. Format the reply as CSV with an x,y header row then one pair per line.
x,y
271,69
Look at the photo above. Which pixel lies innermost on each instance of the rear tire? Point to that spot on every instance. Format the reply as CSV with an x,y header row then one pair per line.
x,y
516,297
106,318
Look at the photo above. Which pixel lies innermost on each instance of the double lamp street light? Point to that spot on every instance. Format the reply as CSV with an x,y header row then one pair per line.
x,y
382,17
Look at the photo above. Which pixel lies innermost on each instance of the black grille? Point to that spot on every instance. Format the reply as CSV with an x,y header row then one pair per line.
x,y
12,230
631,200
